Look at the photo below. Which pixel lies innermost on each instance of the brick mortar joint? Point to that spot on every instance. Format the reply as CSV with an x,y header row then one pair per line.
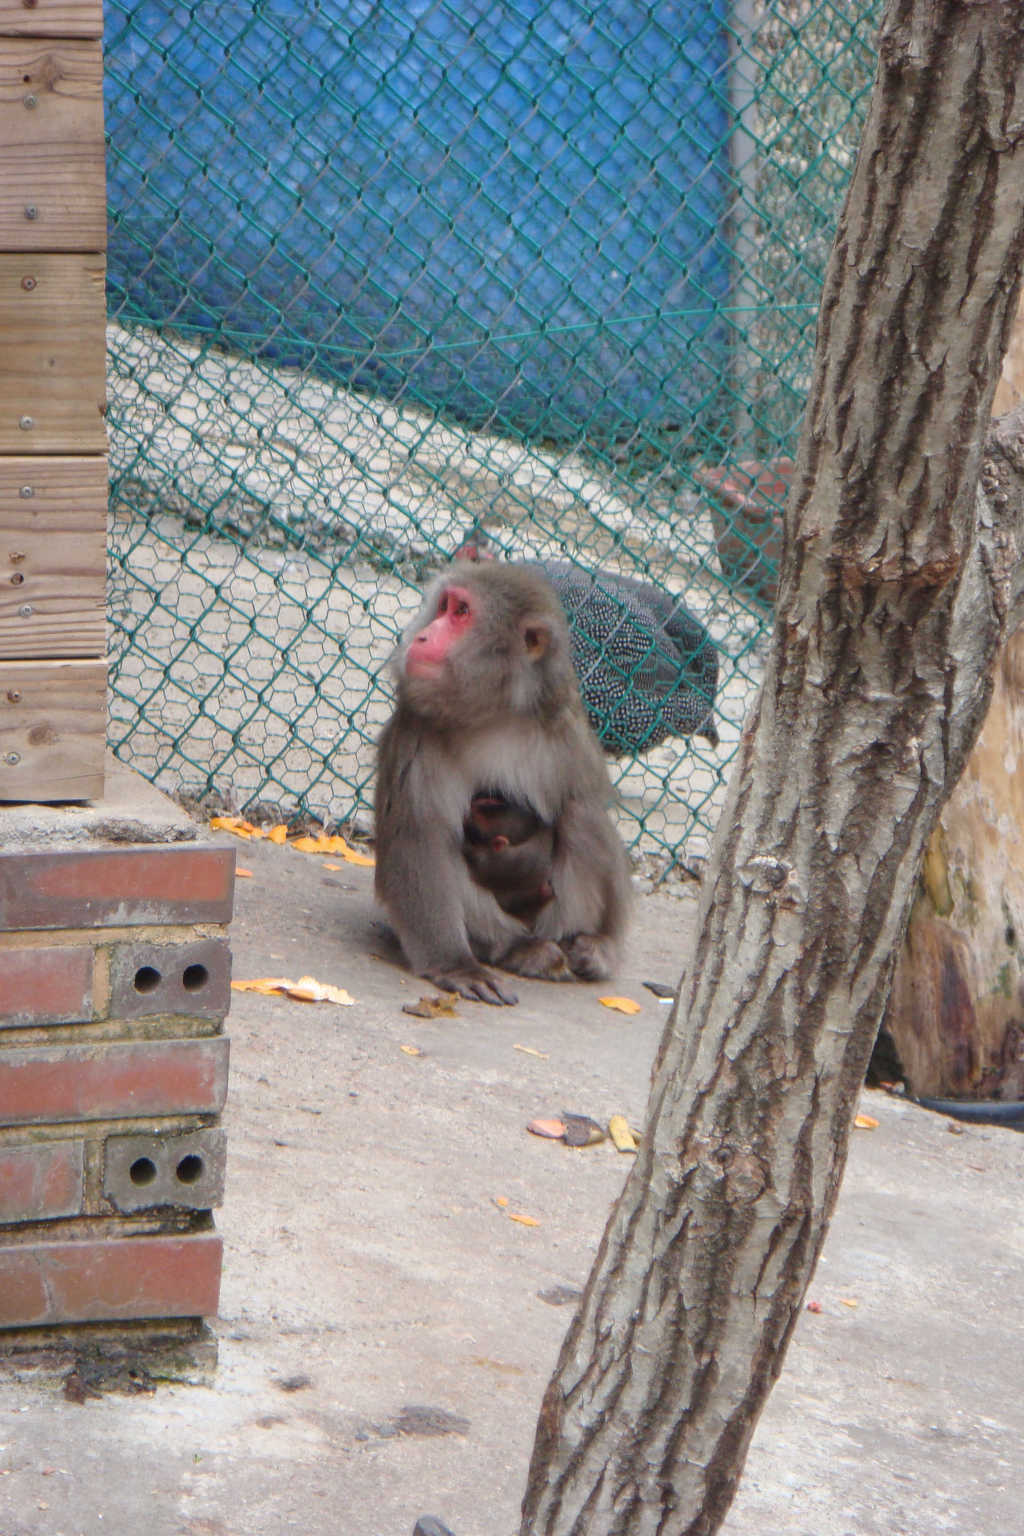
x,y
103,938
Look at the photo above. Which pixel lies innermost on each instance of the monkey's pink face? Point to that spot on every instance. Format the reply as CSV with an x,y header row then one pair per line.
x,y
431,647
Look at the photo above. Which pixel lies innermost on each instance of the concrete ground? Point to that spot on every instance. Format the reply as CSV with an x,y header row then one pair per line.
x,y
387,1329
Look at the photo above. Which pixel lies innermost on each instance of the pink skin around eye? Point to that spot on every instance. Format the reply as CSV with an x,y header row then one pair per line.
x,y
429,649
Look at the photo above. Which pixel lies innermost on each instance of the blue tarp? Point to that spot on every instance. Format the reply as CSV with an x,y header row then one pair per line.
x,y
509,210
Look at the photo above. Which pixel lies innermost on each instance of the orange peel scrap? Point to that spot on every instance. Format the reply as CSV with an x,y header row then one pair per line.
x,y
333,844
239,827
620,1004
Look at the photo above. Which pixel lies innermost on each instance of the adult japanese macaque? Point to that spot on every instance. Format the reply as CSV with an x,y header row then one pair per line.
x,y
488,708
510,852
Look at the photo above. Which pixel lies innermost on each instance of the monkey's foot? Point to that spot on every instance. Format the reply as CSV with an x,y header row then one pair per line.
x,y
537,957
471,981
589,956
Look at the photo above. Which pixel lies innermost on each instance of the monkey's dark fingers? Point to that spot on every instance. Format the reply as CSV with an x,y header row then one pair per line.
x,y
474,983
490,992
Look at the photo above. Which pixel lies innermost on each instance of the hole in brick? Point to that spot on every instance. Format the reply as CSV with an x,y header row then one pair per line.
x,y
147,978
194,977
142,1171
190,1168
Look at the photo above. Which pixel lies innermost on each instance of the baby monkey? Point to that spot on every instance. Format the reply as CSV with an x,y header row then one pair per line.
x,y
510,851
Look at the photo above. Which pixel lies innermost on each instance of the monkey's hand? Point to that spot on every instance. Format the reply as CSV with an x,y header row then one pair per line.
x,y
471,981
537,957
589,956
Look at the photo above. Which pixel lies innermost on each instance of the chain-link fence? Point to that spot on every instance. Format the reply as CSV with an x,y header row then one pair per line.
x,y
384,278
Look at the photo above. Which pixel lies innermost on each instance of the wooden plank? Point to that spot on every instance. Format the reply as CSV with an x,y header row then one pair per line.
x,y
52,320
53,726
52,557
51,18
52,157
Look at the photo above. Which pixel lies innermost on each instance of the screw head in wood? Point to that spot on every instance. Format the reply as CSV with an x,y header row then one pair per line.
x,y
31,211
28,283
14,695
25,611
26,423
26,493
12,759
31,100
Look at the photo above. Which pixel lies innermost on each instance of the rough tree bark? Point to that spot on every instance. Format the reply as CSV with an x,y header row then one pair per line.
x,y
956,1018
898,584
956,1015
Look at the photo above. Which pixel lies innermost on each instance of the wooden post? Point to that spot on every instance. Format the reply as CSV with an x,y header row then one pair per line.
x,y
53,470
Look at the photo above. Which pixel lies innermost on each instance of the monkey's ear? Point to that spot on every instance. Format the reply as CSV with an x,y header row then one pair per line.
x,y
536,638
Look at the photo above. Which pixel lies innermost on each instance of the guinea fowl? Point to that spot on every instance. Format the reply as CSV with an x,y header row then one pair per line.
x,y
647,668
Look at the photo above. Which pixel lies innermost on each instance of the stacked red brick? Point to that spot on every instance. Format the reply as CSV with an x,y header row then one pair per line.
x,y
114,975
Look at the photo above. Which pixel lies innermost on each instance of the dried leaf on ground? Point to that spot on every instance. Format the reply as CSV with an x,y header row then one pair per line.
x,y
620,1004
441,1006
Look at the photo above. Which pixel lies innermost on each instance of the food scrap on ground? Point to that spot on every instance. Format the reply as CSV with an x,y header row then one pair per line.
x,y
324,843
333,843
440,1006
581,1131
552,1130
622,1137
306,990
620,1004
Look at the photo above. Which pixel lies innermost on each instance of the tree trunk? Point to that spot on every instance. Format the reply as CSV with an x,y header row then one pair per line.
x,y
956,1017
897,588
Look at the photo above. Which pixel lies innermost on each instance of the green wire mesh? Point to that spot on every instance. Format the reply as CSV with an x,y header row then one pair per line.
x,y
343,338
